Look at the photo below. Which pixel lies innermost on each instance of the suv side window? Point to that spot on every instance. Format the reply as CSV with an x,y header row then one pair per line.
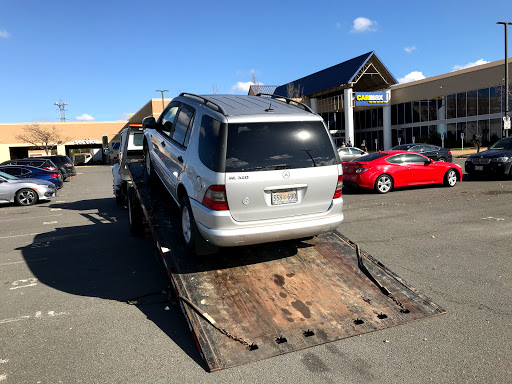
x,y
183,124
210,136
167,120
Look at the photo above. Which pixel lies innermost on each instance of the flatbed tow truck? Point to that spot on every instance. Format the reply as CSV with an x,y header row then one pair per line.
x,y
250,303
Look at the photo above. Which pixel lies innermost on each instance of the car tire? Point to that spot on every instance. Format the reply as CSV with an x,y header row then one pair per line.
x,y
26,197
450,178
148,166
135,215
194,242
384,183
442,160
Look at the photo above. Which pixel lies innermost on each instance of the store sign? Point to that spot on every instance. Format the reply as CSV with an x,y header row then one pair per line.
x,y
87,141
364,99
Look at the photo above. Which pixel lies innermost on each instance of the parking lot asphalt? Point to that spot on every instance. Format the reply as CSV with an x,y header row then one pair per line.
x,y
68,267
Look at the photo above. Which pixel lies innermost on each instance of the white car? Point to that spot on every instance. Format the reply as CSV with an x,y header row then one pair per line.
x,y
24,191
350,153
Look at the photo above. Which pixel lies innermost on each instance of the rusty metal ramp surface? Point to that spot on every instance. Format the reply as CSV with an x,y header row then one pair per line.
x,y
250,303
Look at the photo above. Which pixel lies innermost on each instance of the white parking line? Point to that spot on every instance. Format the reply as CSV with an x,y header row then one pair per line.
x,y
31,281
3,377
49,222
38,315
30,218
56,209
27,234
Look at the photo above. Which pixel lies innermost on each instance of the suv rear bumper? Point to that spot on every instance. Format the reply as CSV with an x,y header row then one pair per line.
x,y
230,233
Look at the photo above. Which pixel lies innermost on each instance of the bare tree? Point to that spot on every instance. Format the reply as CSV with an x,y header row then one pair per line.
x,y
255,84
215,89
294,92
42,137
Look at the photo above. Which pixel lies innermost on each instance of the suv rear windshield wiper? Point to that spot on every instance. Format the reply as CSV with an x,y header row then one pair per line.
x,y
267,168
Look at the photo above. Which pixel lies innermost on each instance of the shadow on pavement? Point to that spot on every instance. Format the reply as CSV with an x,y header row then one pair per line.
x,y
102,260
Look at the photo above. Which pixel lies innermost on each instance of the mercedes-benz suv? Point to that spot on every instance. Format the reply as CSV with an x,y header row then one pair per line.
x,y
245,169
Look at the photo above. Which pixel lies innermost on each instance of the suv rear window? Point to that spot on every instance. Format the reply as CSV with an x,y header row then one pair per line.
x,y
278,145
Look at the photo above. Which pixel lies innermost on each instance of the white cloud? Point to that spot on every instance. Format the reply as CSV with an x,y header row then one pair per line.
x,y
469,65
84,117
413,76
4,34
338,25
362,24
410,49
243,87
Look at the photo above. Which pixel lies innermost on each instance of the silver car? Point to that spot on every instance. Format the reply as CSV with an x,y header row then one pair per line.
x,y
245,169
350,153
24,191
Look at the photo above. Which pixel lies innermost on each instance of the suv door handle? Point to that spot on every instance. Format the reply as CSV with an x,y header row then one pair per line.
x,y
163,143
180,159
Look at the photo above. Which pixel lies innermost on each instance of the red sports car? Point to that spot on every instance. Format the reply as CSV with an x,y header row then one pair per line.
x,y
386,170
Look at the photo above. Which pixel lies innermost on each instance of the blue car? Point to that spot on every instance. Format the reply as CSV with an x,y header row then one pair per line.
x,y
28,172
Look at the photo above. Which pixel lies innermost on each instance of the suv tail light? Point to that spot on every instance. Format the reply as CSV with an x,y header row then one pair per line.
x,y
68,165
50,168
56,175
449,151
215,198
339,185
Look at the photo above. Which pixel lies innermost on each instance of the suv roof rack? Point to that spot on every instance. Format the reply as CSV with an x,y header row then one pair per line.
x,y
206,101
288,101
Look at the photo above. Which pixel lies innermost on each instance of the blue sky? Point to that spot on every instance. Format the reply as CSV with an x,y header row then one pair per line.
x,y
107,58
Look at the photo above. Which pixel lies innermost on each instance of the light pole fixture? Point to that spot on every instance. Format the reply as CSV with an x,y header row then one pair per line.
x,y
506,118
162,91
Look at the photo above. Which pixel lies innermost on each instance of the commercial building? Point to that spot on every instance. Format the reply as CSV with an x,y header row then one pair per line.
x,y
447,110
435,110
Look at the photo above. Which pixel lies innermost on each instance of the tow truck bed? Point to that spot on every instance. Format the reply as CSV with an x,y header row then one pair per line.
x,y
250,303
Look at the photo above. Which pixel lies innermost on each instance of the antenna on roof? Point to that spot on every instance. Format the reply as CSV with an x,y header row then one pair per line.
x,y
269,109
62,104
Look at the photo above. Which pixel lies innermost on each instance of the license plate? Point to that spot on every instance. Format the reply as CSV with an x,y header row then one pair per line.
x,y
284,197
479,168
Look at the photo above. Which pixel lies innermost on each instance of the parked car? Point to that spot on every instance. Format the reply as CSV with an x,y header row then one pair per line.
x,y
28,172
495,161
33,162
433,151
245,169
24,191
350,153
386,170
66,167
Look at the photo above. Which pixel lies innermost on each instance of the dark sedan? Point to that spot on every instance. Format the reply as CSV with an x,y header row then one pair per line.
x,y
496,161
64,163
28,172
433,151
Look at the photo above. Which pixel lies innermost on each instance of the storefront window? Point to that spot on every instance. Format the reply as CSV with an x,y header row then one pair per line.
x,y
483,130
432,109
408,113
401,113
380,113
483,101
394,111
450,139
471,129
416,106
471,103
461,104
495,99
373,114
494,130
451,106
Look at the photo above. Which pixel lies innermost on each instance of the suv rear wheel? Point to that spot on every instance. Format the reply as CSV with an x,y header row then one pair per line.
x,y
150,170
194,242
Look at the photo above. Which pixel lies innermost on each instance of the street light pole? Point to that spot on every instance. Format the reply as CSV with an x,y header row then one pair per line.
x,y
506,121
162,90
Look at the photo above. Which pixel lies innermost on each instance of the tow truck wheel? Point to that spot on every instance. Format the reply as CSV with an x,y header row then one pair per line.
x,y
135,219
384,183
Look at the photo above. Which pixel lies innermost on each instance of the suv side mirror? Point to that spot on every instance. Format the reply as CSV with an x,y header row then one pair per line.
x,y
149,122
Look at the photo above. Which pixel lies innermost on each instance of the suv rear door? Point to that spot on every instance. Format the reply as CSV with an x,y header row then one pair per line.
x,y
279,169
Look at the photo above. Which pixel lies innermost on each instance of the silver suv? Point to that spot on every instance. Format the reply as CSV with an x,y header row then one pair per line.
x,y
245,169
